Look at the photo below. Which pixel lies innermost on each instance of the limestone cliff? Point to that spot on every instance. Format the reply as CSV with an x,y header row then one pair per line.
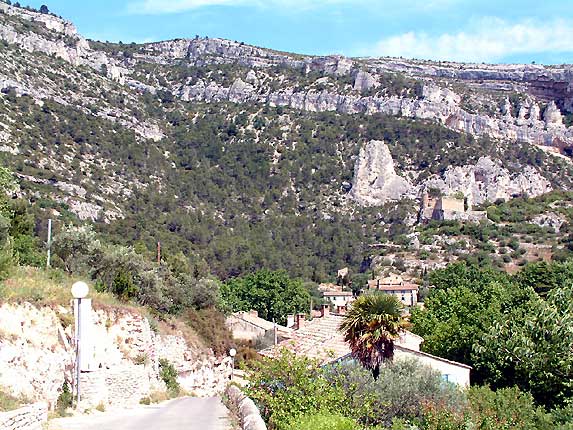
x,y
37,356
536,120
488,180
375,179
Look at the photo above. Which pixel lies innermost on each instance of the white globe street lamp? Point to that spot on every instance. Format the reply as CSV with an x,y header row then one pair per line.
x,y
80,290
232,353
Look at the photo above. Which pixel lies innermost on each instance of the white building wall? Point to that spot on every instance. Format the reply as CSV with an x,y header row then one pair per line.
x,y
453,372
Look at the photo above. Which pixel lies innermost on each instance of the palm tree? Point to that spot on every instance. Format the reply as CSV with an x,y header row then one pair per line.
x,y
371,325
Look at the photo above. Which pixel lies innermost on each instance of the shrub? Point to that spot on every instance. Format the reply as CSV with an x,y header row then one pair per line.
x,y
64,400
323,421
210,325
168,374
404,389
288,387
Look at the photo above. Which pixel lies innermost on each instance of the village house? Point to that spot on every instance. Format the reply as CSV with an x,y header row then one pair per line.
x,y
249,326
339,300
406,292
322,340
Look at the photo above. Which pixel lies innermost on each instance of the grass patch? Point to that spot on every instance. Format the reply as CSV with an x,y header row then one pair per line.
x,y
46,287
8,402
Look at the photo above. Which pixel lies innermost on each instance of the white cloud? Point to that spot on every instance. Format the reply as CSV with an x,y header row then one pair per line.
x,y
156,7
489,40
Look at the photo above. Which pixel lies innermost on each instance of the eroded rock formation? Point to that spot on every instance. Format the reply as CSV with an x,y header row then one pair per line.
x,y
375,179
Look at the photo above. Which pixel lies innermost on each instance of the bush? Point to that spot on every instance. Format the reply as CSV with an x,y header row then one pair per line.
x,y
64,400
168,374
323,421
404,389
210,325
288,387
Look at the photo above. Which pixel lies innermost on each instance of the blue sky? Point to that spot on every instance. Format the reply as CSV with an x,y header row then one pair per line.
x,y
461,30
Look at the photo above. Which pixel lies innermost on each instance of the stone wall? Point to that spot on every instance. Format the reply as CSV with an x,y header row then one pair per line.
x,y
31,417
125,386
245,408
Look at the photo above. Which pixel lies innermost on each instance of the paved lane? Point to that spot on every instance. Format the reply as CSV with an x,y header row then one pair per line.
x,y
189,413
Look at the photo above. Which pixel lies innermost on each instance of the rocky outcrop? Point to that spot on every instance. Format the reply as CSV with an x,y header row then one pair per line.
x,y
488,180
375,179
37,356
550,220
438,104
364,81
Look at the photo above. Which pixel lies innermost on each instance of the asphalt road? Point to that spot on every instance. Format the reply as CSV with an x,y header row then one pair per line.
x,y
189,413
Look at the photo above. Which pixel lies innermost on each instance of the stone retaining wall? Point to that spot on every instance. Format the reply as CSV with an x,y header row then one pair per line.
x,y
31,417
245,408
120,386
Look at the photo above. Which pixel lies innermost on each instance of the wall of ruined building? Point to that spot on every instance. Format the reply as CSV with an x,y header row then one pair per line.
x,y
31,417
450,204
242,329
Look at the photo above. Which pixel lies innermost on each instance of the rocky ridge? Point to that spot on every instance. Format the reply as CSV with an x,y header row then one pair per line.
x,y
376,181
536,120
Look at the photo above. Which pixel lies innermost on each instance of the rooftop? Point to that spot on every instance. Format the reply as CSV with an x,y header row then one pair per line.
x,y
338,293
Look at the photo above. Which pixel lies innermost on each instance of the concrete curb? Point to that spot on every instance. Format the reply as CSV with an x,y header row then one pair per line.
x,y
247,410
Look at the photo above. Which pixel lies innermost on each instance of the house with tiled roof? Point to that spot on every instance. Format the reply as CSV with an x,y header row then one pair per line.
x,y
406,292
249,326
322,340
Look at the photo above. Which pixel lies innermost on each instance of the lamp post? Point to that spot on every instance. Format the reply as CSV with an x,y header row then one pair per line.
x,y
232,353
79,291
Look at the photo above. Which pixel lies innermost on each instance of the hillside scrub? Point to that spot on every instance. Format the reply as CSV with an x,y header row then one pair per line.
x,y
514,330
294,392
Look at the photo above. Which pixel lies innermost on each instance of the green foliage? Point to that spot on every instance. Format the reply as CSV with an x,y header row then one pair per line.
x,y
463,305
272,294
404,390
531,346
64,400
287,388
370,327
168,374
507,408
323,421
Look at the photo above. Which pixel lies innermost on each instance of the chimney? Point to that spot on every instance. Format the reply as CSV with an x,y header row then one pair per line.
x,y
254,313
325,311
299,321
290,321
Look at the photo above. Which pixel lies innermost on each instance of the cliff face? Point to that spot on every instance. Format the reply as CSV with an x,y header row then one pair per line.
x,y
536,119
37,355
375,180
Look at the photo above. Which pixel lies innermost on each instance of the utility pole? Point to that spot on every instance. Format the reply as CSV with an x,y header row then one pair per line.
x,y
158,252
48,259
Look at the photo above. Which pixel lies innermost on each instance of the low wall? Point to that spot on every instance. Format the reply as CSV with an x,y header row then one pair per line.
x,y
245,408
31,417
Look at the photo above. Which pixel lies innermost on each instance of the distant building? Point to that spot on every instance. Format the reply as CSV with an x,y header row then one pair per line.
x,y
339,300
249,326
404,291
443,208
